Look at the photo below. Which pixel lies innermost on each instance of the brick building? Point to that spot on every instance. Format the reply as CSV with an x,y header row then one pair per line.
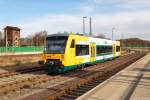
x,y
2,42
12,34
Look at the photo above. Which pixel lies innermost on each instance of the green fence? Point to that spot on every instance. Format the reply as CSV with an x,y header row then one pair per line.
x,y
40,49
22,49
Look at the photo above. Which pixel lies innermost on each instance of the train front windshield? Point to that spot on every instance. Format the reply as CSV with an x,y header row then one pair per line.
x,y
56,44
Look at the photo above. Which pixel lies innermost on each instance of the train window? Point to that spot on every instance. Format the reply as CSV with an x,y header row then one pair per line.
x,y
72,44
103,49
117,48
82,50
56,44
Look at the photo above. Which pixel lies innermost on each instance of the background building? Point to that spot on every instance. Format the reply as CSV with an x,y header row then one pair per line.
x,y
12,36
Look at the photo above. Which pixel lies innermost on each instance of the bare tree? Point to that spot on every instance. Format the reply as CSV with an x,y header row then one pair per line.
x,y
39,38
36,39
135,42
1,35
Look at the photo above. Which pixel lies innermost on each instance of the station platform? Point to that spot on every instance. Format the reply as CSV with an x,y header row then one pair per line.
x,y
131,83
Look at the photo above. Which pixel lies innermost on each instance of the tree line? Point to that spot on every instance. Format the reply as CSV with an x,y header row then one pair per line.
x,y
134,42
38,39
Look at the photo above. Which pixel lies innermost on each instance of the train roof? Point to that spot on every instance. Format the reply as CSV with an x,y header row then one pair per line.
x,y
58,35
62,34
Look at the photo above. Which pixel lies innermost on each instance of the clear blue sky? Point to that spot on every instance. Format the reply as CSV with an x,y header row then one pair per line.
x,y
35,15
16,10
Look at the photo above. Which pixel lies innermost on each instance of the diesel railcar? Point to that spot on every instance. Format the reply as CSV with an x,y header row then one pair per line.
x,y
65,52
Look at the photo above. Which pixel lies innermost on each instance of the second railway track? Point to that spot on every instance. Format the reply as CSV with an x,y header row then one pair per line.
x,y
23,71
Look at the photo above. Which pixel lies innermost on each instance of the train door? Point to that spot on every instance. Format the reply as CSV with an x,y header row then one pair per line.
x,y
114,50
72,53
92,52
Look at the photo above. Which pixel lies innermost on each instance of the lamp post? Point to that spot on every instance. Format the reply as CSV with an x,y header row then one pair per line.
x,y
84,24
113,33
90,23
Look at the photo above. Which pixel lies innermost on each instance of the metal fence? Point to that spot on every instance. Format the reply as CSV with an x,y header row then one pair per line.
x,y
22,49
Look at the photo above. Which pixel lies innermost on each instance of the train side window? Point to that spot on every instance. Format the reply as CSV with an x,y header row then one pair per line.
x,y
118,48
72,44
82,50
103,49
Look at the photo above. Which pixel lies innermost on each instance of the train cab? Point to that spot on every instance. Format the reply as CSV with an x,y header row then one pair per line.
x,y
117,48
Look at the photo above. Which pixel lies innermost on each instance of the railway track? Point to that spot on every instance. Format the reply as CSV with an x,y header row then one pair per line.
x,y
83,77
91,84
28,82
23,83
60,86
22,71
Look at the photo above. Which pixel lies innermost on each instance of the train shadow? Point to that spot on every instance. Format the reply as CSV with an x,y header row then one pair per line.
x,y
142,69
77,73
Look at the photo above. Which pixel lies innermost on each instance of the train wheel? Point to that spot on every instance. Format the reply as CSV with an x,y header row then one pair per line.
x,y
82,66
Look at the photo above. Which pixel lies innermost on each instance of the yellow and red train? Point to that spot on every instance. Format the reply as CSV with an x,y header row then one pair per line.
x,y
65,52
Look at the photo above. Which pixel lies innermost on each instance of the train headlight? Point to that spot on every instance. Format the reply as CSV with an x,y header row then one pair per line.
x,y
62,56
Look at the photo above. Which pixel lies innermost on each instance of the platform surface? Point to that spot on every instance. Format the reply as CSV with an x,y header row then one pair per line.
x,y
131,83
